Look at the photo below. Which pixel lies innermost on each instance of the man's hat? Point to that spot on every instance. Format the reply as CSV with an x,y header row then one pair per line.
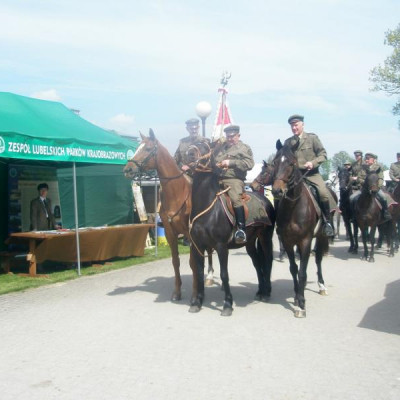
x,y
371,155
347,163
192,121
295,118
358,152
232,130
43,186
398,154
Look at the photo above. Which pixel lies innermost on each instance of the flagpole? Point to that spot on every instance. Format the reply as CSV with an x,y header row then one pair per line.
x,y
222,101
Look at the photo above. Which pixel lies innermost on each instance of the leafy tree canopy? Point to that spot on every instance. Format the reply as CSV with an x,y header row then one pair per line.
x,y
387,77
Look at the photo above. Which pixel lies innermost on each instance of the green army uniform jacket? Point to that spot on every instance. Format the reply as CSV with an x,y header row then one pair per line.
x,y
180,154
374,167
357,171
240,158
394,171
309,149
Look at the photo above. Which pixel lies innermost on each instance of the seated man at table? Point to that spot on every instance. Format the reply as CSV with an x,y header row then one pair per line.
x,y
42,218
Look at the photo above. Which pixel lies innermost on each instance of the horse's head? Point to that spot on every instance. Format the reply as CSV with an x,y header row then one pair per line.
x,y
285,165
144,158
199,156
344,178
371,183
264,178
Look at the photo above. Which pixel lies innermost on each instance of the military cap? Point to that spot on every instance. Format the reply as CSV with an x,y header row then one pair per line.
x,y
371,155
398,154
295,118
192,121
358,152
347,163
43,186
232,129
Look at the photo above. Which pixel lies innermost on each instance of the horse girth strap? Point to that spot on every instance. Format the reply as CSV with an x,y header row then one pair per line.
x,y
191,222
178,211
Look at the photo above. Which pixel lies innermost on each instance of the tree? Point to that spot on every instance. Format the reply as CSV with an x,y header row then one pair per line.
x,y
339,159
387,78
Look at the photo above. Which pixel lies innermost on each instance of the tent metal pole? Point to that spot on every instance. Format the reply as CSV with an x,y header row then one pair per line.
x,y
78,251
155,216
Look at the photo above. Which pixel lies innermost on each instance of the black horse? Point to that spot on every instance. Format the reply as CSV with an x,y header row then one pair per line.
x,y
297,221
368,215
210,227
346,208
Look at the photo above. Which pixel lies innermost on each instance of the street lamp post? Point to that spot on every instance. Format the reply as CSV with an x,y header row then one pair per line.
x,y
203,110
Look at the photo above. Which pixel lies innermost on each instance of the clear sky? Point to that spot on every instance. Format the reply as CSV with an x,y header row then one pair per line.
x,y
130,65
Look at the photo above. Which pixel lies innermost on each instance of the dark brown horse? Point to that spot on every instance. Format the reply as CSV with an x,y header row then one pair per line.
x,y
175,194
297,222
210,227
368,215
346,208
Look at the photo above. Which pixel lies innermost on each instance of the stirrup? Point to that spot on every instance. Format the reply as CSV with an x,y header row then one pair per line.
x,y
240,236
328,230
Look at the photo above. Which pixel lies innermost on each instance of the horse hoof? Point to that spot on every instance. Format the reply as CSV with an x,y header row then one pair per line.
x,y
264,298
226,312
209,282
300,313
176,297
323,292
194,309
296,303
371,259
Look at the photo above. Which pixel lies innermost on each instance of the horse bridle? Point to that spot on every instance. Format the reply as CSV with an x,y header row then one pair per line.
x,y
198,167
153,153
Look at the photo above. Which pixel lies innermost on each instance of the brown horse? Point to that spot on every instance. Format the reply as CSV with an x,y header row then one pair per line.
x,y
297,221
175,194
368,215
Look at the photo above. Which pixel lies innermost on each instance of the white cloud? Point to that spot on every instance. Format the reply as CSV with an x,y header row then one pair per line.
x,y
122,123
50,94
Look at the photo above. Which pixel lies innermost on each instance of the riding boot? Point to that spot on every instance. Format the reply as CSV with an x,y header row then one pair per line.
x,y
326,211
240,234
385,212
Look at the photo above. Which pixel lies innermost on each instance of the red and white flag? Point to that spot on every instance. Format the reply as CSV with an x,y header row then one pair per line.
x,y
223,117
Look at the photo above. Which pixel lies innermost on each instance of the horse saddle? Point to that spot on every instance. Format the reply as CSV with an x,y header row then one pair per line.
x,y
254,210
314,196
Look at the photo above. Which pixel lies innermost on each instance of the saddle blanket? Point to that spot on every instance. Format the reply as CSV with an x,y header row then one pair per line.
x,y
257,213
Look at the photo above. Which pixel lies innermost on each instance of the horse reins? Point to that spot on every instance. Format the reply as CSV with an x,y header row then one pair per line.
x,y
191,222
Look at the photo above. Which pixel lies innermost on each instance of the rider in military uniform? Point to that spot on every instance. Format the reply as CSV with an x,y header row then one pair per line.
x,y
357,170
235,158
192,126
373,165
394,171
310,154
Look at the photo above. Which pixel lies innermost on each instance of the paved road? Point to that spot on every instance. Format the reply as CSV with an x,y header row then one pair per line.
x,y
117,336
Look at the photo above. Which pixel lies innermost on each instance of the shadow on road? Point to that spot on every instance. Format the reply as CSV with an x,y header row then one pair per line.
x,y
243,294
384,316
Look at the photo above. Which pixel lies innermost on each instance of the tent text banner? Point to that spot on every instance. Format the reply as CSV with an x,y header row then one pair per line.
x,y
21,147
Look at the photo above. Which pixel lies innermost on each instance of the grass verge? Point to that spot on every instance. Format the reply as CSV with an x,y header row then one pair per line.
x,y
14,282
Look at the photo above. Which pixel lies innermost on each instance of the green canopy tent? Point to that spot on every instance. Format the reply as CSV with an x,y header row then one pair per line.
x,y
47,132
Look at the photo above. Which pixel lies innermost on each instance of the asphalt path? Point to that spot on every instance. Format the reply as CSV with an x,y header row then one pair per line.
x,y
118,336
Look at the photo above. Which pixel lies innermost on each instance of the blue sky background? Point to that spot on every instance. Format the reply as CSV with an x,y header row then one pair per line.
x,y
132,65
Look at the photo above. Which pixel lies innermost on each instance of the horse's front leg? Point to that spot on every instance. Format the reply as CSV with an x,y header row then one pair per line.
x,y
305,249
364,235
223,252
198,260
372,240
173,244
294,270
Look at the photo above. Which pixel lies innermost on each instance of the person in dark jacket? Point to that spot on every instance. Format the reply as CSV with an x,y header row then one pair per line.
x,y
42,218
